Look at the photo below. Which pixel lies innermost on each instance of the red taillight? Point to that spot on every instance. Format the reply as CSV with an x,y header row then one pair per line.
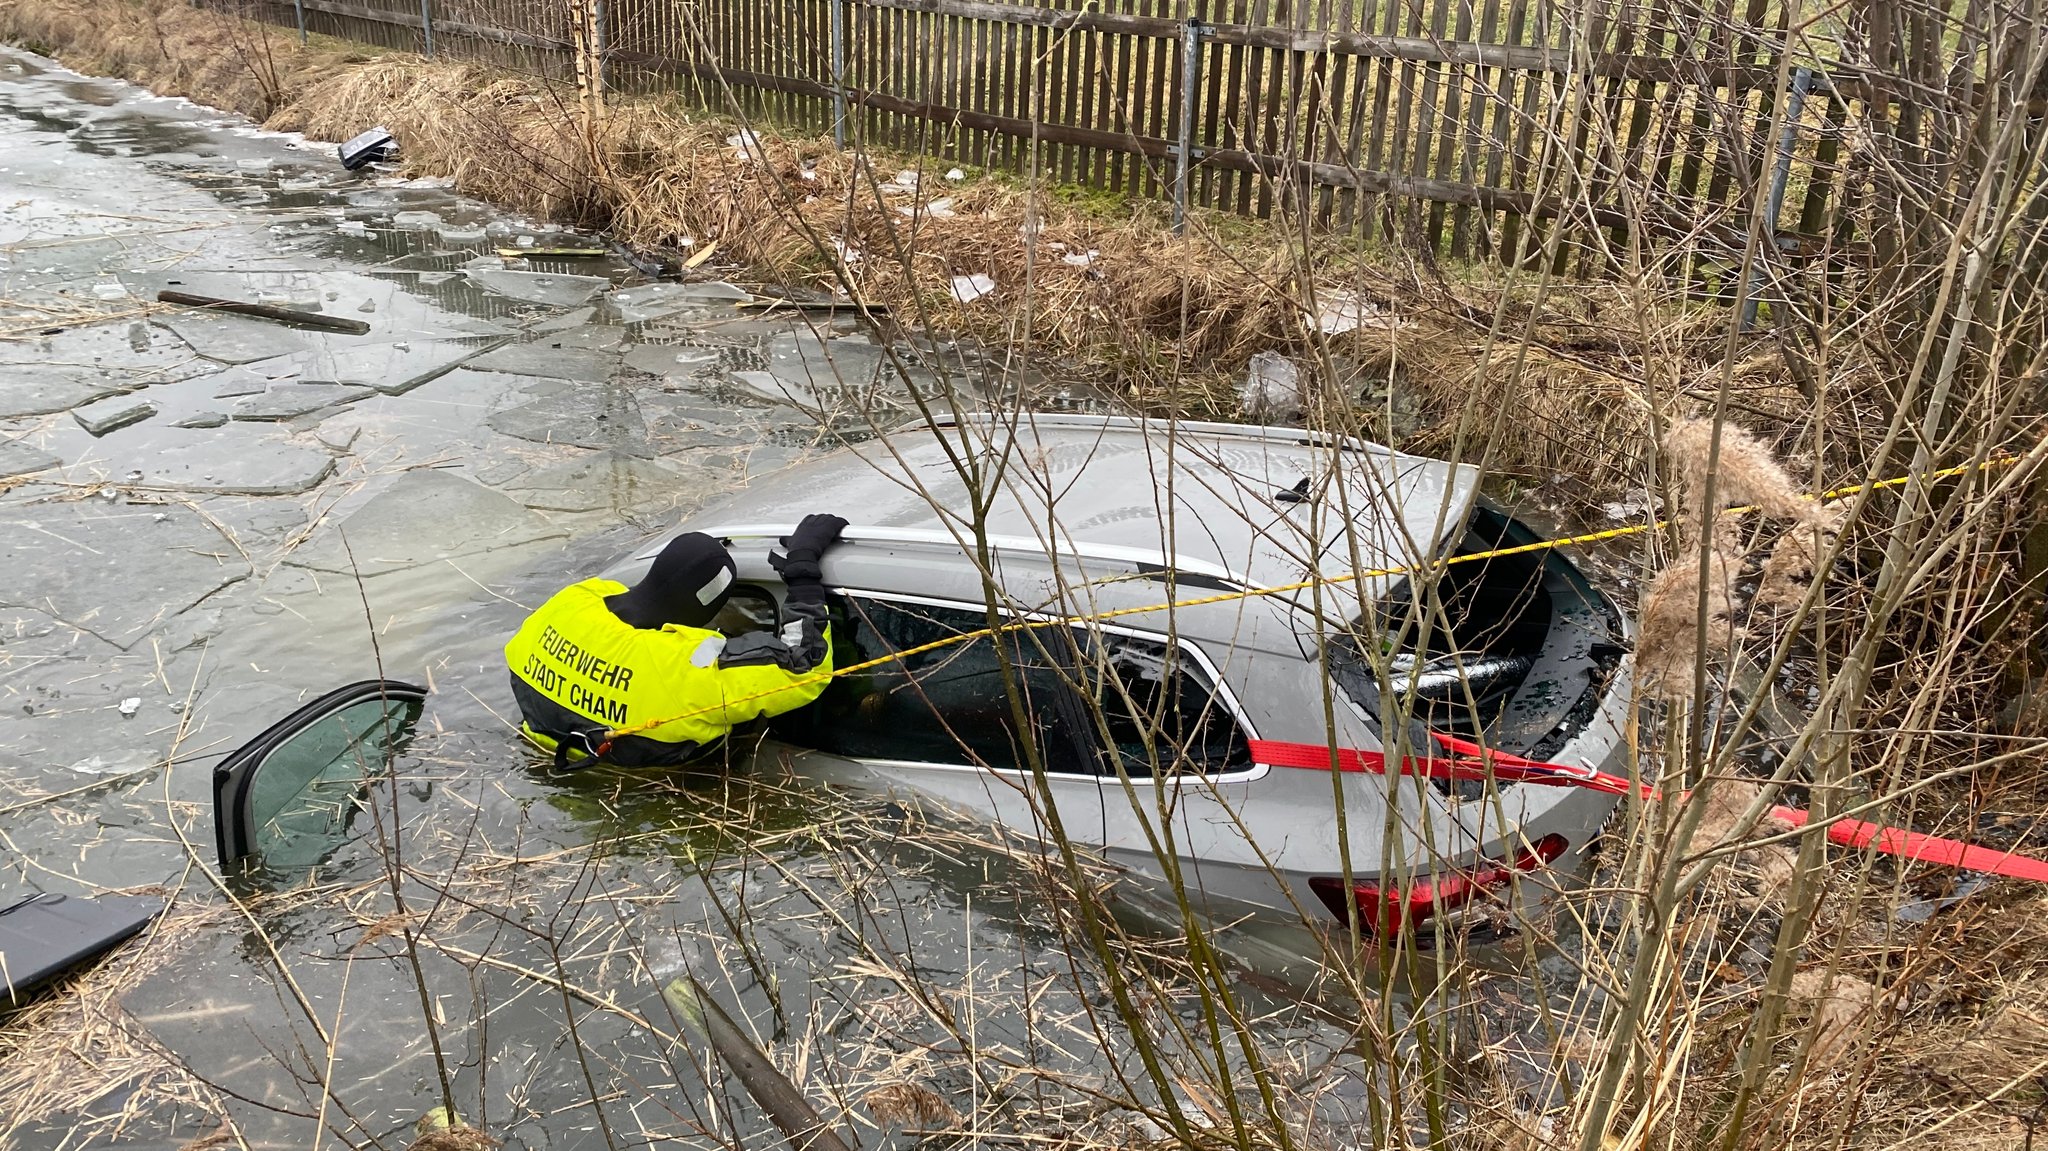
x,y
1385,909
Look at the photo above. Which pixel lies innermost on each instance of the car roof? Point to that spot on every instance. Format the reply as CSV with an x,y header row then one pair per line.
x,y
1099,486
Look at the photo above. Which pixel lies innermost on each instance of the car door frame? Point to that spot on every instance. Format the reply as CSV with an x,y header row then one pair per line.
x,y
234,778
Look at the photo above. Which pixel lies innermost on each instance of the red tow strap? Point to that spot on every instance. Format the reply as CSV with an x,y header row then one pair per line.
x,y
1467,760
1925,848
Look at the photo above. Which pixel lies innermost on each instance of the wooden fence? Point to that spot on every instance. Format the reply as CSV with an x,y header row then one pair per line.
x,y
1470,126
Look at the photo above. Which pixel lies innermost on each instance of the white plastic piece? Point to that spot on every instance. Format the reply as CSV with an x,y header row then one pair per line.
x,y
968,289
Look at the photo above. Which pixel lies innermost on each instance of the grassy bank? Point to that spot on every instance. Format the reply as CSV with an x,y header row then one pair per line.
x,y
1165,322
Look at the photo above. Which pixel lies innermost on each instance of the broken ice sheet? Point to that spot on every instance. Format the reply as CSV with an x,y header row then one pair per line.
x,y
235,339
235,382
392,367
84,562
582,417
653,301
422,517
112,413
666,359
541,360
19,459
25,397
120,765
284,401
550,288
240,459
827,365
589,338
602,481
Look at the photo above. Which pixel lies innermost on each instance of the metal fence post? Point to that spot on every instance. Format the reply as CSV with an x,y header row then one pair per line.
x,y
299,14
1802,82
427,25
839,72
598,46
1184,145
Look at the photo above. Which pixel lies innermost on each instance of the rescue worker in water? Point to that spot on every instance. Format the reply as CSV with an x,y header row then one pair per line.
x,y
600,656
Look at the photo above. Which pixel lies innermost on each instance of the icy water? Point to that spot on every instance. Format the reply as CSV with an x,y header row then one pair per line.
x,y
211,519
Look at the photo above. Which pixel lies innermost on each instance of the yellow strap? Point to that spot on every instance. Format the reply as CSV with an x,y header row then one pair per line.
x,y
1280,589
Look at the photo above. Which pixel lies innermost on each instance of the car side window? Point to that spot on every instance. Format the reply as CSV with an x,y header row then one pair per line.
x,y
748,608
290,795
1161,713
949,705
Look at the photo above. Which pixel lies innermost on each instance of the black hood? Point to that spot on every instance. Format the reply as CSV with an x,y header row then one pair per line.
x,y
688,584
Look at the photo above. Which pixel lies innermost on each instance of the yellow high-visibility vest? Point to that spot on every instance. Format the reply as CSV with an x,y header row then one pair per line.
x,y
577,653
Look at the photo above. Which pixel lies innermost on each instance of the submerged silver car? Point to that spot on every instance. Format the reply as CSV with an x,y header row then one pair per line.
x,y
1222,615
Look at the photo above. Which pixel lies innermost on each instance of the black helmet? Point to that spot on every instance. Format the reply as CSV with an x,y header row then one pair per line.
x,y
688,584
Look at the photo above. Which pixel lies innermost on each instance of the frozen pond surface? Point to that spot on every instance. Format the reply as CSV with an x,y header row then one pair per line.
x,y
206,520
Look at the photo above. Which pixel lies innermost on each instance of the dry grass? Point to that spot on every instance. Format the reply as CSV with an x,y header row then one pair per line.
x,y
80,1024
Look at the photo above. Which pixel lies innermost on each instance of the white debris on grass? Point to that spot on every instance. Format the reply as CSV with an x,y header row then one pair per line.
x,y
1080,259
848,254
939,209
955,175
131,705
1338,312
1271,388
747,145
968,289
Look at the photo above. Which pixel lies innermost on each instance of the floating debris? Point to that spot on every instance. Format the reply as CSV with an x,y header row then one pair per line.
x,y
552,253
376,146
292,317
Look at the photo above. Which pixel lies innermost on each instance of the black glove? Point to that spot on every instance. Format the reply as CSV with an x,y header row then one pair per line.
x,y
805,547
